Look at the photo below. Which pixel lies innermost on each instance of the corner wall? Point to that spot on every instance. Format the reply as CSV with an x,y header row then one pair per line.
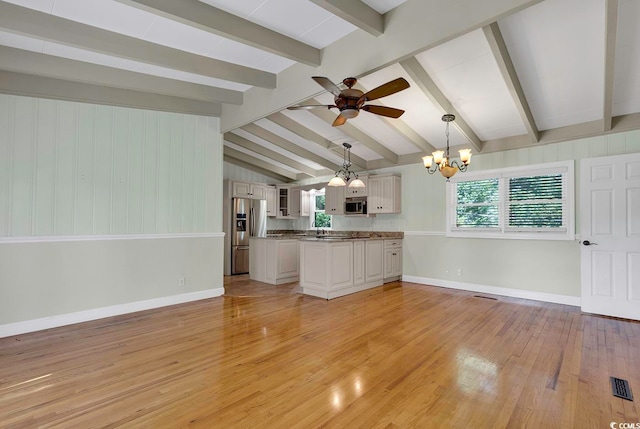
x,y
104,207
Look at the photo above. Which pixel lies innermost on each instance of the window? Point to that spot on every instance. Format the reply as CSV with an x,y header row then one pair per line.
x,y
318,217
521,202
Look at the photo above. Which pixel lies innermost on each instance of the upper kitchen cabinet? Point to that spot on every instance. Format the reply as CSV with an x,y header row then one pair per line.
x,y
334,200
289,202
272,204
385,193
256,191
358,192
305,203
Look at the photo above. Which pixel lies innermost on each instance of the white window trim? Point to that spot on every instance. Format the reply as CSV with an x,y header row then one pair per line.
x,y
565,167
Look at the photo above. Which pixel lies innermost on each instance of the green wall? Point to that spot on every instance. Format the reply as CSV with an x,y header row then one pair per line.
x,y
104,206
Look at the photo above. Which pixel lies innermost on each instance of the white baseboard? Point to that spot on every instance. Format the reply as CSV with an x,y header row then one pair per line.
x,y
513,293
18,328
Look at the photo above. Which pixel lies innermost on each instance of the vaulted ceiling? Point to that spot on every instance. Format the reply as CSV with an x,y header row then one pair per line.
x,y
516,73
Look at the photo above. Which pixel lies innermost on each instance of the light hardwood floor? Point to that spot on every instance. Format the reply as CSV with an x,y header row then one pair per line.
x,y
398,356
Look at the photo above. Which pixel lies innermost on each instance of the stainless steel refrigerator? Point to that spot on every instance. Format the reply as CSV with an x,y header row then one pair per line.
x,y
249,220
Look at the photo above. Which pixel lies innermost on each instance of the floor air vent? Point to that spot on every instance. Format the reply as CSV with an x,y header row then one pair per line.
x,y
621,388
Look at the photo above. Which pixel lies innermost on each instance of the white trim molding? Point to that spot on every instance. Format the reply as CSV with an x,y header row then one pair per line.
x,y
493,290
55,238
26,326
424,233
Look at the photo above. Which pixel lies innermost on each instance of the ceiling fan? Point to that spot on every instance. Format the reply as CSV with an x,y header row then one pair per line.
x,y
350,101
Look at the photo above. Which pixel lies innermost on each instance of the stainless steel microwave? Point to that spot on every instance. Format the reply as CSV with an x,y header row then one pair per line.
x,y
355,205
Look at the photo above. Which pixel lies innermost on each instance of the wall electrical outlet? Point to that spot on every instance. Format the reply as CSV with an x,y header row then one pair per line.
x,y
182,281
459,272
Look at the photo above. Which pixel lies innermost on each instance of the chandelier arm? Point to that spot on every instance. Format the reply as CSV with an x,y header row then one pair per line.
x,y
459,165
434,168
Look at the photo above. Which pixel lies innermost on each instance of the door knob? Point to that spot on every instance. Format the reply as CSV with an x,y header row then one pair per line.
x,y
588,243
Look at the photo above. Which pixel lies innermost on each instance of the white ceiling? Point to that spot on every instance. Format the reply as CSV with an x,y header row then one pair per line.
x,y
528,73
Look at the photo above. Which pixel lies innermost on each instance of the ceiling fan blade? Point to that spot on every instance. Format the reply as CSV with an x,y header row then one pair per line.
x,y
384,111
388,88
340,120
327,84
310,106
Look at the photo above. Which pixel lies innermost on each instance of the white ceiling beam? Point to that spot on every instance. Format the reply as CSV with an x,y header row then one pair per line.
x,y
295,127
442,103
355,133
240,162
58,89
356,13
503,59
261,150
410,28
264,165
572,132
33,63
310,135
611,30
216,21
279,141
51,28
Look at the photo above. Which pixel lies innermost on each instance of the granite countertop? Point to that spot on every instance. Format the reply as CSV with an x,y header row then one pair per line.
x,y
332,236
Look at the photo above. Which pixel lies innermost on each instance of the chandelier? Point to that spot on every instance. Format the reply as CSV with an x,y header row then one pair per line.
x,y
343,175
441,157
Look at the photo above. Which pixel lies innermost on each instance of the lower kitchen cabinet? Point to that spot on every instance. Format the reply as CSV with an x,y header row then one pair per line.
x,y
373,260
358,262
273,261
392,260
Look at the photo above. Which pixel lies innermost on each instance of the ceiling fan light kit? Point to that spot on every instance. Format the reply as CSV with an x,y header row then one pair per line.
x,y
350,101
344,174
439,160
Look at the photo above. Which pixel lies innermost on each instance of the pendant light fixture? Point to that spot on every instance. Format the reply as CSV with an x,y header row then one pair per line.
x,y
441,157
343,175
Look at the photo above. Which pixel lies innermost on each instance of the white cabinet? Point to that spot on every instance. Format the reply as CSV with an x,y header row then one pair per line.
x,y
288,200
358,192
272,206
392,260
296,202
241,190
358,262
334,200
373,260
384,194
337,268
256,191
305,203
273,261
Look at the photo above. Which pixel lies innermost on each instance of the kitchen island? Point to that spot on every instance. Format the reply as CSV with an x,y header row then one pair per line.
x,y
274,260
328,264
336,266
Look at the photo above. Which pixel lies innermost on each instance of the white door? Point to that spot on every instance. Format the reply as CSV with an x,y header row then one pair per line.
x,y
610,230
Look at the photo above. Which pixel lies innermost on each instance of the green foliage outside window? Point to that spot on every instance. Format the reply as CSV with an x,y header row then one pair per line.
x,y
478,204
321,220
